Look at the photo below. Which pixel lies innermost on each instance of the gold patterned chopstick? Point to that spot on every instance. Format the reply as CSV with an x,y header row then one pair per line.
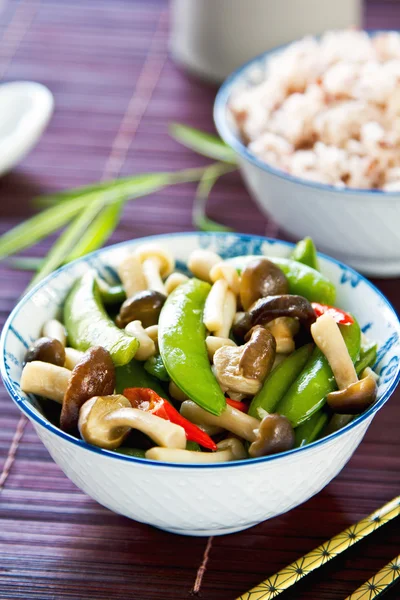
x,y
285,578
379,583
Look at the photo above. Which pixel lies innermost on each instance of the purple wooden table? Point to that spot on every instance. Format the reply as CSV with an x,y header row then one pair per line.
x,y
116,90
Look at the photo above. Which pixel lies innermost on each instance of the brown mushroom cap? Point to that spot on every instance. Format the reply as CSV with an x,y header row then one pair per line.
x,y
94,375
274,435
286,305
47,350
355,398
261,278
144,306
258,354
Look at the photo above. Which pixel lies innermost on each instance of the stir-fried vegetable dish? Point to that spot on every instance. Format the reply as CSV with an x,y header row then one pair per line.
x,y
248,357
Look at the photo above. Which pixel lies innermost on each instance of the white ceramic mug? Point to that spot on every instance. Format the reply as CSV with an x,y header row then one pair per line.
x,y
214,37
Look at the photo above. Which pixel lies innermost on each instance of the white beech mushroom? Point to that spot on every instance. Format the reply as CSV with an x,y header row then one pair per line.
x,y
45,379
224,270
173,281
176,393
353,395
147,347
229,449
72,357
229,311
214,343
105,421
201,262
131,274
157,263
55,329
244,368
231,419
213,316
283,329
152,332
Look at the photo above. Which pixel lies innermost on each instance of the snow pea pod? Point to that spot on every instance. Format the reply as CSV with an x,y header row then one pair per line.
x,y
88,324
307,394
305,252
156,367
134,375
181,337
367,359
309,431
111,294
279,381
136,452
302,279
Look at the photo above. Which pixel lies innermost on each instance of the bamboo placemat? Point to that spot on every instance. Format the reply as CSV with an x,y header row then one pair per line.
x,y
107,65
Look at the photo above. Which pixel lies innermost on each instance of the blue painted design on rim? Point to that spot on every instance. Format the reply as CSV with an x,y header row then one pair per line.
x,y
26,408
231,138
19,337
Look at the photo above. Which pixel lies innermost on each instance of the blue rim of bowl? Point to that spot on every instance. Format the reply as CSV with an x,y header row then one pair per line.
x,y
233,140
27,409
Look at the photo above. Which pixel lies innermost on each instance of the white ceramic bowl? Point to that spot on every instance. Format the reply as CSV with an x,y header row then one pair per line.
x,y
360,227
199,499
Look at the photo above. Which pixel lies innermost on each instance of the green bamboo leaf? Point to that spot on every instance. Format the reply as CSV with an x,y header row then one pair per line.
x,y
25,263
207,182
50,220
98,231
202,142
64,245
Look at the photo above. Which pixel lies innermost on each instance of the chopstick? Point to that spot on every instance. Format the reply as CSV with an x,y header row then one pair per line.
x,y
285,578
379,583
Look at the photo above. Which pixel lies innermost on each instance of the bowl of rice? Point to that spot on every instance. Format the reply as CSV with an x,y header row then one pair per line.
x,y
315,125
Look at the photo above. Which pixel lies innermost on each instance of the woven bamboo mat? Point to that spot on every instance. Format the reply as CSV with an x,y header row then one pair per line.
x,y
116,90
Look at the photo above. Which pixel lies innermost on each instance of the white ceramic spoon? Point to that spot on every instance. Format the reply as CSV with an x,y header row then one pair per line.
x,y
25,110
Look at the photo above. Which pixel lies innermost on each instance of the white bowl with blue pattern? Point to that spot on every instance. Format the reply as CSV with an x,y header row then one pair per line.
x,y
358,226
200,499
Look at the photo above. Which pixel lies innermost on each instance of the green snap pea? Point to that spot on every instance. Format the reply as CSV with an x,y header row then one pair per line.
x,y
134,375
193,446
302,279
307,394
367,359
88,324
155,366
137,452
111,294
309,431
181,336
305,252
279,381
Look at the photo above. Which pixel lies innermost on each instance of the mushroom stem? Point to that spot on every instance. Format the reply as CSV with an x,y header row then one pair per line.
x,y
327,336
224,270
55,329
45,379
201,262
176,393
131,274
214,343
72,357
173,281
147,347
105,421
152,332
151,271
283,329
229,311
213,317
231,419
229,449
163,432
